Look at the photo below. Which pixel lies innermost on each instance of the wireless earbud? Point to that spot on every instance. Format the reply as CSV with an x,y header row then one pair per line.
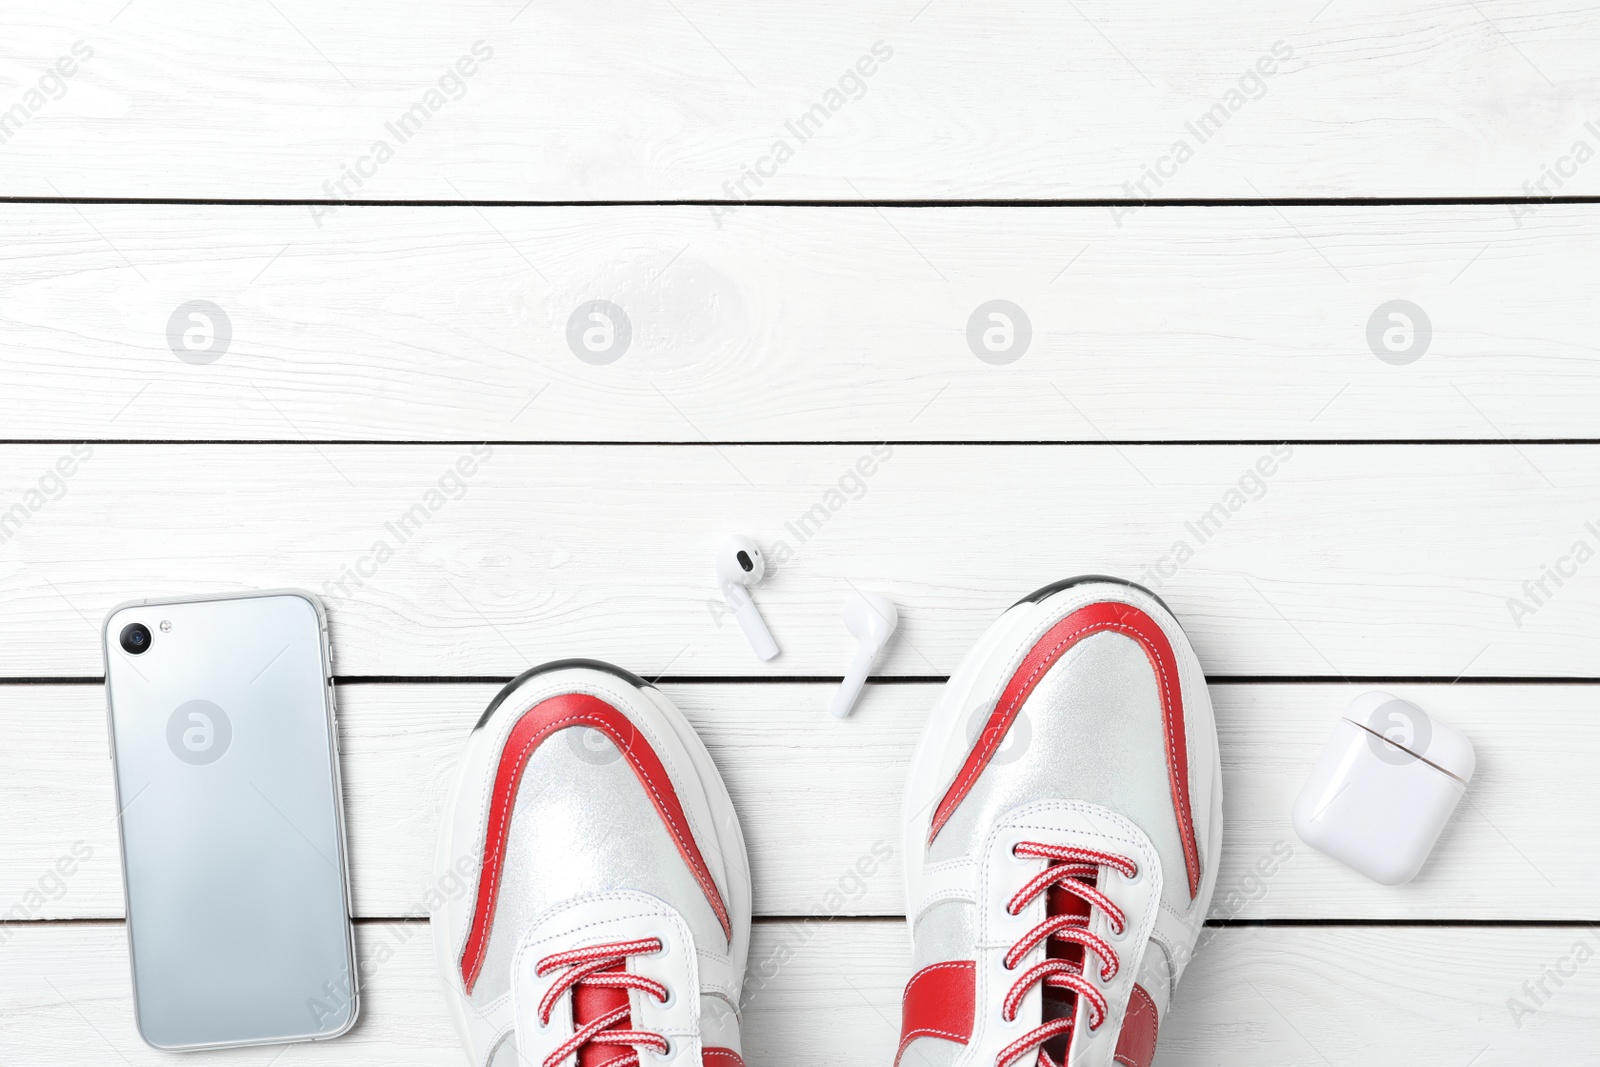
x,y
872,620
739,566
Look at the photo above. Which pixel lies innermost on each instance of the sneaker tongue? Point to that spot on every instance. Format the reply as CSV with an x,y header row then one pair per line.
x,y
1062,902
1084,845
594,1002
1063,1003
617,917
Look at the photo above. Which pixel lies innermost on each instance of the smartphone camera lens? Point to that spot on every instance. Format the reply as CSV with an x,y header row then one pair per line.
x,y
135,638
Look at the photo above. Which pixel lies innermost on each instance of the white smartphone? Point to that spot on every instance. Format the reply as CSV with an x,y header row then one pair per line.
x,y
224,746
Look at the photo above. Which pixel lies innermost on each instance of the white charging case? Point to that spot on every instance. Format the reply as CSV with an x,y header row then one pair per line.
x,y
1384,788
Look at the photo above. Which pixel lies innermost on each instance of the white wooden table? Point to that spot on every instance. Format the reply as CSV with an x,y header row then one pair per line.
x,y
399,208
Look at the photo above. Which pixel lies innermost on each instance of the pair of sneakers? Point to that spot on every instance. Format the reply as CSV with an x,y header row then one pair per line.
x,y
1062,829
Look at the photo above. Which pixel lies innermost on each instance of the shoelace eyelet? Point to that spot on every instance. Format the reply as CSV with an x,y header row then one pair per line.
x,y
670,999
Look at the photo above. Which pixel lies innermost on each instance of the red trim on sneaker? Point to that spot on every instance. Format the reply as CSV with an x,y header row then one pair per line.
x,y
1106,616
536,725
720,1057
939,1002
1136,1045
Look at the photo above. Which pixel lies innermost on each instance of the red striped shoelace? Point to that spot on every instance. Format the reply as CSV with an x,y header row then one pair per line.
x,y
1074,871
601,967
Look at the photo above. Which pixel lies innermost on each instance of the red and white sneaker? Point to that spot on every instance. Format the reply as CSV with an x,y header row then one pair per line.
x,y
1063,826
603,911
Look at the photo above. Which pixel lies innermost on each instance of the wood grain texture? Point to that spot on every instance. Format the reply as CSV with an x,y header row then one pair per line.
x,y
794,324
610,100
820,800
753,325
1370,561
1273,997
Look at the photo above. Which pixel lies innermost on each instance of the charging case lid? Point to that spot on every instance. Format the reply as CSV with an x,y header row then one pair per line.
x,y
1408,727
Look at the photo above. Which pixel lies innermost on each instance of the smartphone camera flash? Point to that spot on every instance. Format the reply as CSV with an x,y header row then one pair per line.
x,y
166,626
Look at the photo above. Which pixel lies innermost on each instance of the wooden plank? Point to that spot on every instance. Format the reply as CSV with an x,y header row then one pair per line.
x,y
452,324
820,800
609,100
1273,996
1337,561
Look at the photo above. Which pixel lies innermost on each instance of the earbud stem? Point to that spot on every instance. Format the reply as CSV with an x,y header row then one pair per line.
x,y
755,630
844,699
